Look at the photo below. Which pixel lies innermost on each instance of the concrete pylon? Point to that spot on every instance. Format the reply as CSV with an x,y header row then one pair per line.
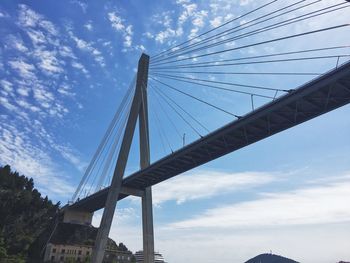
x,y
138,109
147,211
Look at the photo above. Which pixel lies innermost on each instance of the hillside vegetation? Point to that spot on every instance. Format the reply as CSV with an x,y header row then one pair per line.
x,y
24,217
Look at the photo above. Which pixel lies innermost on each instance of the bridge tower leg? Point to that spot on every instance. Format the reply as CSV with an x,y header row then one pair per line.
x,y
147,213
138,109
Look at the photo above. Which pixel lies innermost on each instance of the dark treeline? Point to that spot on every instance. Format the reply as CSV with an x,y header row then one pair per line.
x,y
24,216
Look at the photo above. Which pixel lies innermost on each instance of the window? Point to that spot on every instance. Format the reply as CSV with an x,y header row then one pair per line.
x,y
63,251
62,258
79,252
87,253
52,258
54,250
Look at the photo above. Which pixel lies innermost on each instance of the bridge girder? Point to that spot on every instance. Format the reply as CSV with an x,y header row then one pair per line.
x,y
317,97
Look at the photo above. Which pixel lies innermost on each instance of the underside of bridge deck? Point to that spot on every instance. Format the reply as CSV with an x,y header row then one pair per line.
x,y
317,97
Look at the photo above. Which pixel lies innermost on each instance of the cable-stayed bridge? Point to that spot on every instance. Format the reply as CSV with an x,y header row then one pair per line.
x,y
254,58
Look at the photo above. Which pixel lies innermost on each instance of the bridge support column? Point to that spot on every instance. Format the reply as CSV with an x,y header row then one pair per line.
x,y
147,213
147,226
138,110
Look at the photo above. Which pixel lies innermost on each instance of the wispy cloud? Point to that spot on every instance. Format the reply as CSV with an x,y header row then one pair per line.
x,y
48,62
16,42
81,4
88,25
30,19
119,24
24,69
18,150
206,184
72,156
81,67
35,95
3,14
191,19
88,47
303,206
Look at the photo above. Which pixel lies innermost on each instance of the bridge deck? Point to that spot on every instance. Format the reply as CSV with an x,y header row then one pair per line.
x,y
319,96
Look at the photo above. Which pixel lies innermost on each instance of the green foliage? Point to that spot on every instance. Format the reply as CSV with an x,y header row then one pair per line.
x,y
70,260
25,215
122,247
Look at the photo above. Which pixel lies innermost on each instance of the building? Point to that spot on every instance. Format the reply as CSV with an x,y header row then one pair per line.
x,y
62,253
72,242
117,256
158,258
82,253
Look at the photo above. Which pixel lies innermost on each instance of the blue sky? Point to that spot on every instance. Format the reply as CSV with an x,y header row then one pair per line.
x,y
65,67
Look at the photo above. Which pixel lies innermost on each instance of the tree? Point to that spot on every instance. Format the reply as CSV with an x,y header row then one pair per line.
x,y
122,247
3,252
25,216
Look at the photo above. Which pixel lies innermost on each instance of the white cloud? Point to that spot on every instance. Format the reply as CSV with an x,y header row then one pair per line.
x,y
24,69
8,105
200,16
123,214
43,97
189,13
304,206
36,36
244,2
17,150
23,91
206,184
140,47
217,21
6,85
48,62
315,243
80,66
162,36
81,4
3,14
88,26
116,21
119,25
16,42
26,105
65,90
71,156
148,35
28,18
66,51
127,41
88,47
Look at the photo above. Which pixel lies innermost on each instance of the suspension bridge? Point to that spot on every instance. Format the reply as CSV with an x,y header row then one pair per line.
x,y
221,60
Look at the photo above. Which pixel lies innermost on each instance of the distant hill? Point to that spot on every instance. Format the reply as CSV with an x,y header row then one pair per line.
x,y
270,258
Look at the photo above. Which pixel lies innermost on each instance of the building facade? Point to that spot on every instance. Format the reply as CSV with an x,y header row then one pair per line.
x,y
64,253
59,253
